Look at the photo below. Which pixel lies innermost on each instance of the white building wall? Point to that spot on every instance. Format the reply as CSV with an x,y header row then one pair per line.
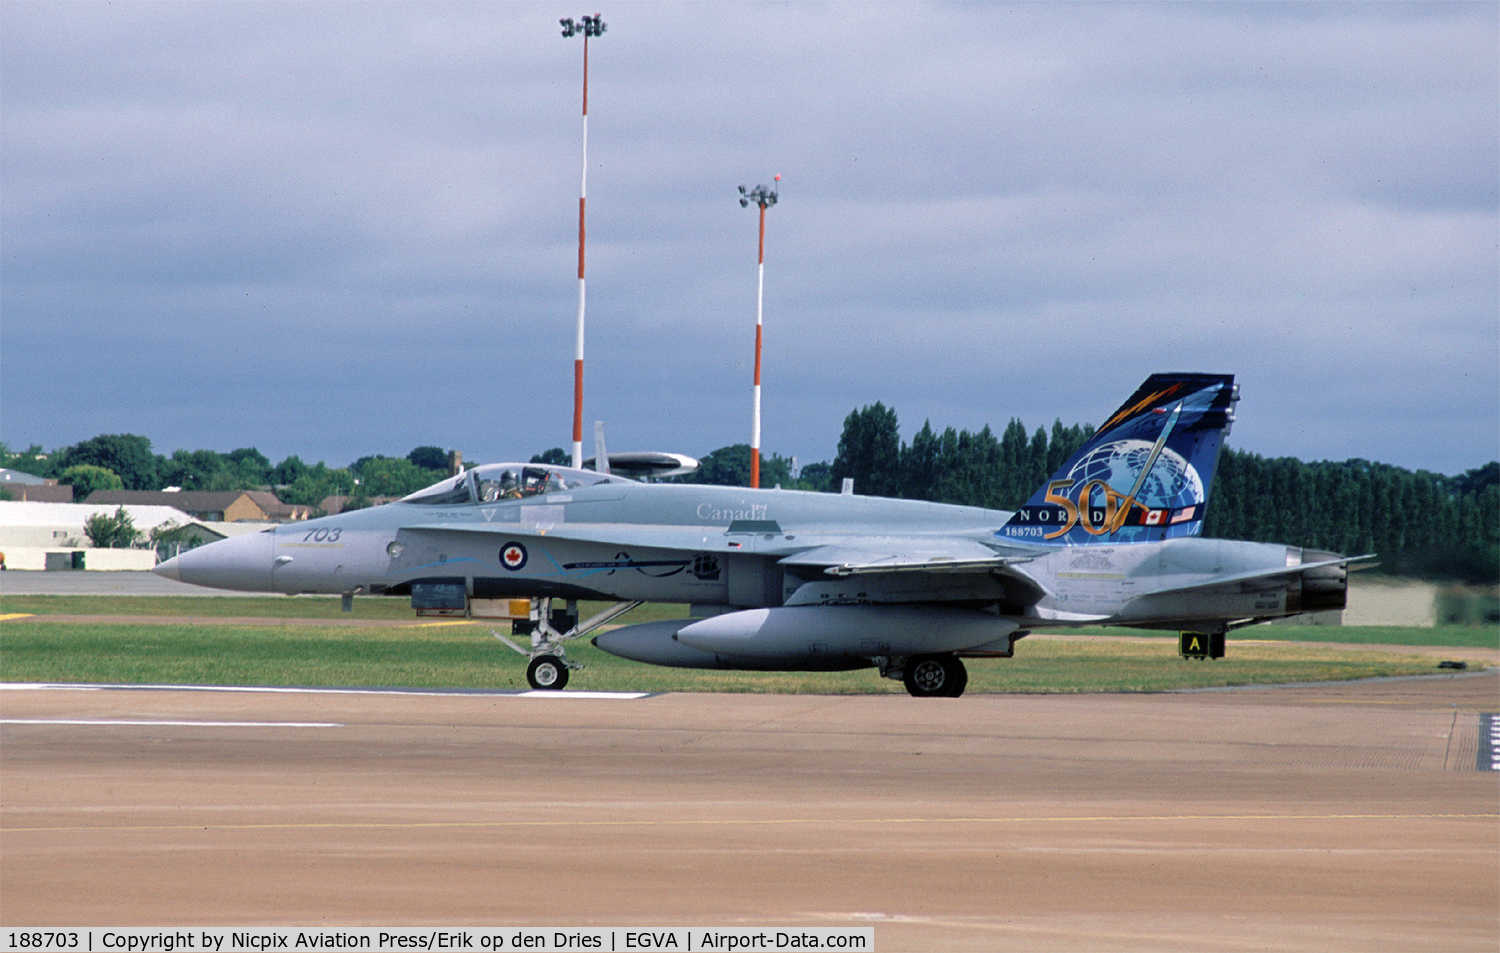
x,y
28,531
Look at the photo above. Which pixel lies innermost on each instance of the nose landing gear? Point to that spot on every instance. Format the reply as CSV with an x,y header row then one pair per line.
x,y
549,664
547,673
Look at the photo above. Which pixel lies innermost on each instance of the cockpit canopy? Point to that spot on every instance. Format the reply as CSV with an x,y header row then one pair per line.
x,y
498,482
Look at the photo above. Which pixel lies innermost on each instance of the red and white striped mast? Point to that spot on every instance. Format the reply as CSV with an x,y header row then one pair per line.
x,y
765,198
591,26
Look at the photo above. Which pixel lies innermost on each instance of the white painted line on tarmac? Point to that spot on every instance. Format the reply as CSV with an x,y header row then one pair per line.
x,y
130,723
1489,742
458,692
619,695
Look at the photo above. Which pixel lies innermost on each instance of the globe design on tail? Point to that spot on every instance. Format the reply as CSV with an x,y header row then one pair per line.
x,y
1173,482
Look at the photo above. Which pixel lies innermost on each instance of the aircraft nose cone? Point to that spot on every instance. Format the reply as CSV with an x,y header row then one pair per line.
x,y
171,569
240,562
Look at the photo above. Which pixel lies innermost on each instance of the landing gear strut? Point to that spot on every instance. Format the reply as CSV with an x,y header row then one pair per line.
x,y
549,666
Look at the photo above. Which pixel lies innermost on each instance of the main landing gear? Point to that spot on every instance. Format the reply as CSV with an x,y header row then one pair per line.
x,y
550,631
929,676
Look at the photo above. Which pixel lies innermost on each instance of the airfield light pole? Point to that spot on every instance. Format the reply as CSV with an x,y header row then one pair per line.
x,y
590,26
765,198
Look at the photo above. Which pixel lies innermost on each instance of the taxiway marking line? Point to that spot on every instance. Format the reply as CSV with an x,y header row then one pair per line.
x,y
126,722
1489,742
274,690
770,822
16,615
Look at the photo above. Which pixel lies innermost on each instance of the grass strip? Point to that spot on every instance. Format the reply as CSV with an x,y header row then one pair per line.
x,y
395,609
38,649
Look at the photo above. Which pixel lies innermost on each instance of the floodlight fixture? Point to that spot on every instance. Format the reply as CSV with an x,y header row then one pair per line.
x,y
760,195
588,26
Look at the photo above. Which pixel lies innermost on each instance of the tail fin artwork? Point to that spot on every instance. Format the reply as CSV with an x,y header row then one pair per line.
x,y
1145,474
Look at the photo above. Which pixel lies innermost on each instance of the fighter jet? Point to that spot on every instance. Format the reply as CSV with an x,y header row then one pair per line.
x,y
783,580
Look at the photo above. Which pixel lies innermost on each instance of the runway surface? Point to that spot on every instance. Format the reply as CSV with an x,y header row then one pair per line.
x,y
1336,817
17,582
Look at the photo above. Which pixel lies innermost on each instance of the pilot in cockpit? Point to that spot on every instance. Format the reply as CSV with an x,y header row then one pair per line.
x,y
534,481
504,488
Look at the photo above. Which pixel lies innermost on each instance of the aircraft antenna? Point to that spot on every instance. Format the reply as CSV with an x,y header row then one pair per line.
x,y
590,26
764,198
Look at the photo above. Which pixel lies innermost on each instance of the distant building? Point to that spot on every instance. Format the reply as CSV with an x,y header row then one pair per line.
x,y
60,525
334,505
39,492
25,487
41,536
223,506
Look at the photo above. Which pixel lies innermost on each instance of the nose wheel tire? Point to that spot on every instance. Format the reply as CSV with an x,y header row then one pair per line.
x,y
935,676
547,673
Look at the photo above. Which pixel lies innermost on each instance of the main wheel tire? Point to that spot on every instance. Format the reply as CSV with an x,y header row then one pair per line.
x,y
547,673
962,682
935,676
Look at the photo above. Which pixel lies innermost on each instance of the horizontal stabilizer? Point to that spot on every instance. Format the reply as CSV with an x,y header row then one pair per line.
x,y
1232,578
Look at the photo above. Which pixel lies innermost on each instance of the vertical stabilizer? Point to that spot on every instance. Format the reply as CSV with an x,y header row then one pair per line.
x,y
601,456
1145,474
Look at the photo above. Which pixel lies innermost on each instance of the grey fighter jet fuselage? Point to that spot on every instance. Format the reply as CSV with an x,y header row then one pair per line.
x,y
790,580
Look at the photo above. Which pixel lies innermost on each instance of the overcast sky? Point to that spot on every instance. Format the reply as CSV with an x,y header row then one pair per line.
x,y
338,229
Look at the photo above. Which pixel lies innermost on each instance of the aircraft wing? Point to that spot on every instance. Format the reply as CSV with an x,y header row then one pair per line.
x,y
915,570
903,555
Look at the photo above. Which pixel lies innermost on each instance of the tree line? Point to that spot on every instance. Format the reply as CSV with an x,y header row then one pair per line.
x,y
126,462
1418,523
